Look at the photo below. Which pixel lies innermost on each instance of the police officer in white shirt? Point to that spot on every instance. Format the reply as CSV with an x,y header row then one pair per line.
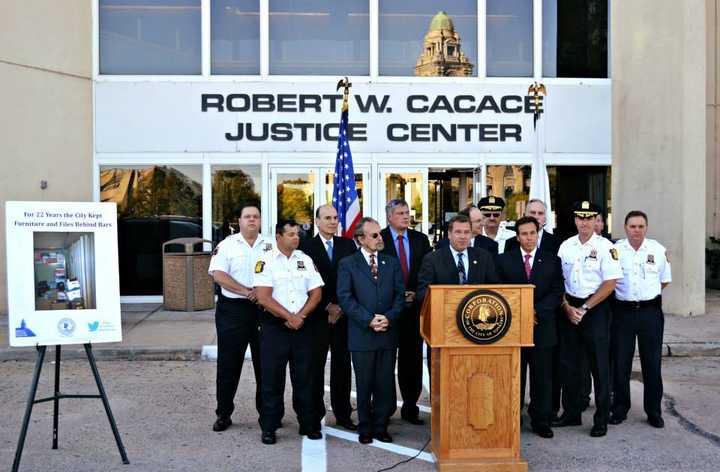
x,y
289,288
637,312
492,211
591,268
236,314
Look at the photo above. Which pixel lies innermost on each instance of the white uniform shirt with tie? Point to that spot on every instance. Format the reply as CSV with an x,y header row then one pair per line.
x,y
291,278
644,270
237,258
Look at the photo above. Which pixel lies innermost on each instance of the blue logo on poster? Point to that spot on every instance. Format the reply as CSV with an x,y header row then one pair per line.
x,y
23,331
93,326
66,326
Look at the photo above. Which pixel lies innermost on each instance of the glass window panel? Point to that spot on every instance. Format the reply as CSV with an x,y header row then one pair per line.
x,y
428,38
409,188
512,183
235,37
232,188
330,182
150,37
319,37
296,200
575,38
154,204
509,45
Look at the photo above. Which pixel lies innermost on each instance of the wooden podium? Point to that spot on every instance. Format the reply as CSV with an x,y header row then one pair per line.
x,y
475,388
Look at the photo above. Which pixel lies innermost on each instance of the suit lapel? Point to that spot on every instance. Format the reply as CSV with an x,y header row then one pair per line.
x,y
363,266
320,247
537,265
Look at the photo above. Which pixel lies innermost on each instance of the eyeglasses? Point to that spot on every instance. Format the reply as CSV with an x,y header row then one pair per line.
x,y
491,215
373,235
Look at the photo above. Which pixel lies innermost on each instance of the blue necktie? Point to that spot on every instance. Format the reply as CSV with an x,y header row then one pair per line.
x,y
461,269
329,249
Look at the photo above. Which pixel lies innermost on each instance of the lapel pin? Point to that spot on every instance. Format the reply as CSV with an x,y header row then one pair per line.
x,y
474,262
382,262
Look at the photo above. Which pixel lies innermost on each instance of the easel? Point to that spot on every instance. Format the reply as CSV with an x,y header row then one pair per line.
x,y
56,402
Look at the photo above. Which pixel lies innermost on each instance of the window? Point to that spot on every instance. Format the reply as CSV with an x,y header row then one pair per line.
x,y
150,37
154,204
232,188
319,37
235,37
575,40
509,44
512,184
414,38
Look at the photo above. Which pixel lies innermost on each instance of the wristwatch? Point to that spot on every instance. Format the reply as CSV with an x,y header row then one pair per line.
x,y
585,307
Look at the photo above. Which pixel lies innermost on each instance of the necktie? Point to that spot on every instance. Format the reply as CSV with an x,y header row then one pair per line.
x,y
461,269
403,259
329,249
373,267
528,269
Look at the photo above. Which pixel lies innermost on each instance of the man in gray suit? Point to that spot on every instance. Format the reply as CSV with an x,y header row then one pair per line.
x,y
371,293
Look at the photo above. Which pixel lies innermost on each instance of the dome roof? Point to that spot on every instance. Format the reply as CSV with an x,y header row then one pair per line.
x,y
441,21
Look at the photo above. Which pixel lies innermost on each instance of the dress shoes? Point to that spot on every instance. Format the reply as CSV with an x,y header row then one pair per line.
x,y
598,430
221,424
383,437
656,421
543,431
617,419
413,420
566,420
347,424
313,435
365,438
268,437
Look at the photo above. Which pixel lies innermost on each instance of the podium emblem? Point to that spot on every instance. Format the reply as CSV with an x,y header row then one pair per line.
x,y
483,316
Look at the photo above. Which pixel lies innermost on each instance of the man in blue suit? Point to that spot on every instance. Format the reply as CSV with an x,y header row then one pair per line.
x,y
371,293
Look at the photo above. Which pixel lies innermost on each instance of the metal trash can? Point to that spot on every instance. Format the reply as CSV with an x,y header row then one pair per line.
x,y
186,283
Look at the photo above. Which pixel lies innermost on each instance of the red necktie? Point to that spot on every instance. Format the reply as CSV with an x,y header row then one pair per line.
x,y
373,267
403,259
528,269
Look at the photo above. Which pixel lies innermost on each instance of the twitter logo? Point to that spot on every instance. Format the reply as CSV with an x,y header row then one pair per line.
x,y
93,326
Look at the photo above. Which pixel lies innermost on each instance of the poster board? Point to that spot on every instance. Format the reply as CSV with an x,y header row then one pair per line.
x,y
62,273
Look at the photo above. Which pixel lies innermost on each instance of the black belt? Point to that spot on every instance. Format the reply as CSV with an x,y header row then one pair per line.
x,y
657,301
224,299
576,302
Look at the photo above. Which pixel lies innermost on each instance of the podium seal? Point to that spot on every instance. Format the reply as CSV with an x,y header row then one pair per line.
x,y
483,316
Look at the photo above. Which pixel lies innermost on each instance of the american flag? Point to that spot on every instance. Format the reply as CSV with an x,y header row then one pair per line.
x,y
345,196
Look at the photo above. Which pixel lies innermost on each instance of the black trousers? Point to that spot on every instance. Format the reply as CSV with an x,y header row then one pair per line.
x,y
236,322
333,338
647,324
539,360
278,347
591,337
410,361
375,384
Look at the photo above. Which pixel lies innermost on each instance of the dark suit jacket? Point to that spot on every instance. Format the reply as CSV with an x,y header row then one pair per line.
x,y
315,248
419,246
361,297
440,268
547,277
549,243
480,241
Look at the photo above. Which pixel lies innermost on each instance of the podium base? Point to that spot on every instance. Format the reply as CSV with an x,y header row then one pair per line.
x,y
479,465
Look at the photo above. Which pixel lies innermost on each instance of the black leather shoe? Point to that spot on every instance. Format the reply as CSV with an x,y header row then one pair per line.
x,y
268,437
221,424
347,424
617,419
565,420
598,430
656,422
543,431
413,420
314,435
365,438
383,437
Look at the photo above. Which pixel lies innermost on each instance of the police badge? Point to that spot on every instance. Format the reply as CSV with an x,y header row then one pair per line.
x,y
268,247
651,259
301,265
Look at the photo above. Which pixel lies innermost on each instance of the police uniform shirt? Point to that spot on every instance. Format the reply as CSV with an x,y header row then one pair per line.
x,y
586,266
503,234
644,270
236,257
291,278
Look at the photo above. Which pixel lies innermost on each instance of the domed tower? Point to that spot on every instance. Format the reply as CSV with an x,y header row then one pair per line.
x,y
441,55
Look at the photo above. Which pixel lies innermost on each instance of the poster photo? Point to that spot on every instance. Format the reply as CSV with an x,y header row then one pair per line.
x,y
62,272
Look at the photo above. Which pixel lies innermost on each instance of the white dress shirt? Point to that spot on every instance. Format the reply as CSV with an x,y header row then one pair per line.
x,y
291,278
503,234
586,266
644,270
236,257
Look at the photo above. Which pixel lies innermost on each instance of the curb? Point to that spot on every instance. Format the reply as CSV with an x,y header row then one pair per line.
x,y
107,354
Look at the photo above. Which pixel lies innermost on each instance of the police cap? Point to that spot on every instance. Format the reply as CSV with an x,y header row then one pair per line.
x,y
491,204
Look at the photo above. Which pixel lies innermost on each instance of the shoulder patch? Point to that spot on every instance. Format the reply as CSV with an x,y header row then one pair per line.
x,y
614,254
259,266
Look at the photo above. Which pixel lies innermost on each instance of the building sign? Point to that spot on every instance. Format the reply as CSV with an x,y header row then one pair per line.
x,y
59,290
384,117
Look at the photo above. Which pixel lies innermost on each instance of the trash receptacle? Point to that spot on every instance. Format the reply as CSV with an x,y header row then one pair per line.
x,y
186,283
